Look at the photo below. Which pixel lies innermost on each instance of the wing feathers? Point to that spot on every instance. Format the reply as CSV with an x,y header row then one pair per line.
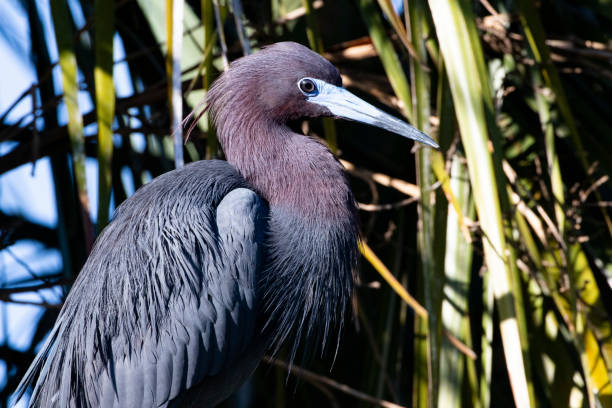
x,y
166,300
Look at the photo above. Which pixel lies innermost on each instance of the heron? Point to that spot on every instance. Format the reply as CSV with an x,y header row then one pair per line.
x,y
209,266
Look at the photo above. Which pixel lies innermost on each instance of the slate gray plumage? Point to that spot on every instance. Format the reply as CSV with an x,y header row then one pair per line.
x,y
207,267
166,298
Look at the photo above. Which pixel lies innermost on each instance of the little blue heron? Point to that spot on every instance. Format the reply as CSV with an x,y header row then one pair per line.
x,y
209,266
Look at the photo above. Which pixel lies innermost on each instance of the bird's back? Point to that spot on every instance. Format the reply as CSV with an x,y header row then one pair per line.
x,y
166,300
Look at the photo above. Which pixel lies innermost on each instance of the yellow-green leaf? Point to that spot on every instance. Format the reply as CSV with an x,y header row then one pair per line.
x,y
105,102
62,24
459,52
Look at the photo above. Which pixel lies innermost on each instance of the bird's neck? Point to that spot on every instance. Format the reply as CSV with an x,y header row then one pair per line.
x,y
291,171
311,247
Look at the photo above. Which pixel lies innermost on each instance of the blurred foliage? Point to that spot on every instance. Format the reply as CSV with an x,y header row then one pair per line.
x,y
503,236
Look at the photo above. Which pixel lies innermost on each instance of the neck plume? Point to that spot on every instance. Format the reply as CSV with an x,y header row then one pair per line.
x,y
311,246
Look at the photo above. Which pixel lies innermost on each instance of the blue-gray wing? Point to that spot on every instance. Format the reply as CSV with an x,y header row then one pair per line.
x,y
165,302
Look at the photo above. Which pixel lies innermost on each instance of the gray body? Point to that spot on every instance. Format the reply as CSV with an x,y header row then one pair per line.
x,y
207,267
166,299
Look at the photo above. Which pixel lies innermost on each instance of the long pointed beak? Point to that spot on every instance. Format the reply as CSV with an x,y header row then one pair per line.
x,y
343,104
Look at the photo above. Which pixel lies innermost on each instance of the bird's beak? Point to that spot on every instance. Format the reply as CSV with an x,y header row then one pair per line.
x,y
343,104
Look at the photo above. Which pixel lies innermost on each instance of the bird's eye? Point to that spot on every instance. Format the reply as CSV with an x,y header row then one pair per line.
x,y
307,86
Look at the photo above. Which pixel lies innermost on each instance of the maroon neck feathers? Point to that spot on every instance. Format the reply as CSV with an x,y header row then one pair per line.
x,y
288,169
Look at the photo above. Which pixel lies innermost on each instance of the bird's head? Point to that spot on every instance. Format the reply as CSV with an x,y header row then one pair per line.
x,y
287,81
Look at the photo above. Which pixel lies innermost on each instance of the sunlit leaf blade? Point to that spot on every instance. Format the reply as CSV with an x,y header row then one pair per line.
x,y
105,102
486,341
597,368
174,36
70,223
420,383
457,48
588,305
431,226
458,263
63,34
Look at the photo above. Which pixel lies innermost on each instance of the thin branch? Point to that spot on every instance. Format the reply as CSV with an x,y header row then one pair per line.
x,y
24,265
309,375
386,207
585,194
459,345
46,305
31,288
402,186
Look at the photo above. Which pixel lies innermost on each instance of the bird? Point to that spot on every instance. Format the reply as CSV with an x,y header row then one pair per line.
x,y
208,267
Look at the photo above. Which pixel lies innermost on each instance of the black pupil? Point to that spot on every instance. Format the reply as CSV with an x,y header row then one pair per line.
x,y
307,86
